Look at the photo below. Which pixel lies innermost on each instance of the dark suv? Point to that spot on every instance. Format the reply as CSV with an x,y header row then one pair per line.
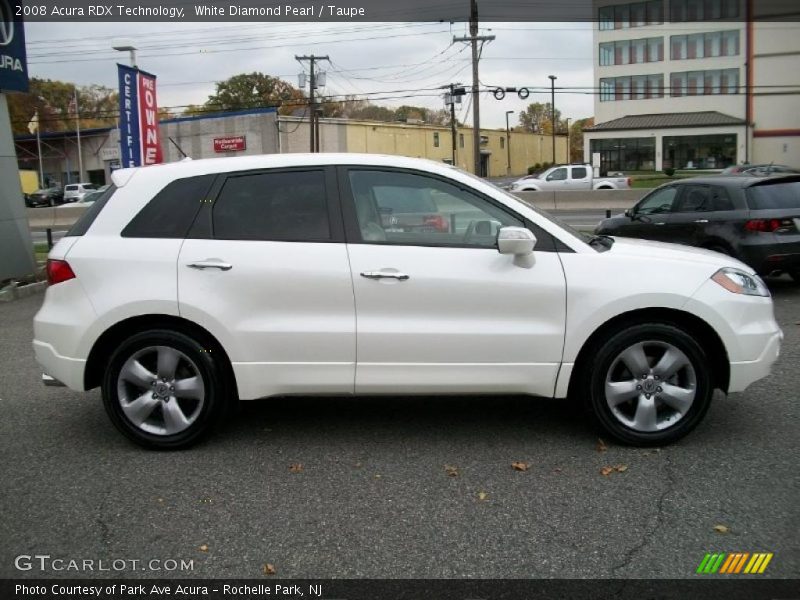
x,y
754,219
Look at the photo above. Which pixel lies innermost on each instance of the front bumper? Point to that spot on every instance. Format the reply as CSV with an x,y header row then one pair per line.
x,y
744,373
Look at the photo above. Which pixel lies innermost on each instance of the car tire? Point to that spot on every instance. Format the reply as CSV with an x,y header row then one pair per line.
x,y
660,404
165,390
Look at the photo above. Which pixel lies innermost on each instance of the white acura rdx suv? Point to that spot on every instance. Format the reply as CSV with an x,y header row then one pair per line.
x,y
189,286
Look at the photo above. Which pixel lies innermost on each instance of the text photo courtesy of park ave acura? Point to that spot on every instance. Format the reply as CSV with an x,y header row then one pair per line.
x,y
452,299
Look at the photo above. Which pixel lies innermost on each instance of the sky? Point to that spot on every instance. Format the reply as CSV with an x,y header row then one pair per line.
x,y
381,60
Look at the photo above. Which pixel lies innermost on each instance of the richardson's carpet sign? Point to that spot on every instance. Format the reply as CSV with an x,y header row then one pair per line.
x,y
138,118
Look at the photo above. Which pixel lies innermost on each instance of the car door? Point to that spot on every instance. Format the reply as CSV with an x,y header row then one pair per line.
x,y
690,216
580,179
440,309
557,180
264,269
650,216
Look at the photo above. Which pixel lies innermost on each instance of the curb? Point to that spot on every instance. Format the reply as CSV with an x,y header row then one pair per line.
x,y
13,292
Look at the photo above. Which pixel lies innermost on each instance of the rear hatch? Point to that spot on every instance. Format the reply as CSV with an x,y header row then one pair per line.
x,y
775,207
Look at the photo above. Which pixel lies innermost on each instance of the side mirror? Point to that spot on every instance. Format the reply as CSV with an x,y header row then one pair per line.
x,y
629,213
519,242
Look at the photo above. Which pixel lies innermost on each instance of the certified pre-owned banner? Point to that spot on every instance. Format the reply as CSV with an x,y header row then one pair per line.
x,y
138,118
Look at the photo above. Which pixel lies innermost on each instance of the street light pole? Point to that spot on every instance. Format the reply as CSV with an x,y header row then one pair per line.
x,y
569,154
553,111
508,142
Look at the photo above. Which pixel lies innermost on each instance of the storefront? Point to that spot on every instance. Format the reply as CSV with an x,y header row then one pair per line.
x,y
625,154
700,151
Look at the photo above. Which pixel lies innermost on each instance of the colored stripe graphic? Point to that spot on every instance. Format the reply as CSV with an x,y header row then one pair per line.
x,y
734,562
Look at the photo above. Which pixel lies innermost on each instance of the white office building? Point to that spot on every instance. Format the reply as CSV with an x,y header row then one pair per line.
x,y
694,84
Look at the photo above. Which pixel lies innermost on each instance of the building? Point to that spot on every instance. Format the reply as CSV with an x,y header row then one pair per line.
x,y
421,140
693,84
263,131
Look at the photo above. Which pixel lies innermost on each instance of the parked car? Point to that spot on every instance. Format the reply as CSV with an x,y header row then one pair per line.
x,y
569,178
90,197
46,197
76,191
756,220
188,287
762,170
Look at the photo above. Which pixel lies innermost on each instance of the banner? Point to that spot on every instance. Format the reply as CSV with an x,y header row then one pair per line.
x,y
13,63
138,118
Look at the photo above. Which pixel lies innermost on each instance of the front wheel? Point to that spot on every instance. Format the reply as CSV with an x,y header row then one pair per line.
x,y
649,384
164,389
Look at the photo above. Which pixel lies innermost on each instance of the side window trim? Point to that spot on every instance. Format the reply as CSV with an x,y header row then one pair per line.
x,y
546,242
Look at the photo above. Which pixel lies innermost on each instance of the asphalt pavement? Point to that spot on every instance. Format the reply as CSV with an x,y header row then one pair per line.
x,y
398,487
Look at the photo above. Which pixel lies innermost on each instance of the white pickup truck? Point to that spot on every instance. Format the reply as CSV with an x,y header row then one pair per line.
x,y
568,178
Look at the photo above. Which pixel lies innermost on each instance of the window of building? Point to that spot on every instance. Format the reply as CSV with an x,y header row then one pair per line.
x,y
435,139
704,45
281,206
502,142
627,52
636,14
460,140
639,87
606,54
708,83
703,10
625,154
699,151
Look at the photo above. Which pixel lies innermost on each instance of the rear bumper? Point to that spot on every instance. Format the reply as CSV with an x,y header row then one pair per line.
x,y
774,255
62,370
745,373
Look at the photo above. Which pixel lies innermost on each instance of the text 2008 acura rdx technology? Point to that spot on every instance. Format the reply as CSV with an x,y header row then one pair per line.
x,y
192,285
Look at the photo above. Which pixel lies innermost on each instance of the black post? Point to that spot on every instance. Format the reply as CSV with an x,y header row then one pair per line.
x,y
453,127
553,112
49,239
608,213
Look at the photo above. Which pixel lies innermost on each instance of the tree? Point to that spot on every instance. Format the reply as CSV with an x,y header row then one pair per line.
x,y
576,138
251,90
51,99
537,119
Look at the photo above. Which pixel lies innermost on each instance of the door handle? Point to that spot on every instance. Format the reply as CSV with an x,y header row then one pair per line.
x,y
210,264
384,275
701,221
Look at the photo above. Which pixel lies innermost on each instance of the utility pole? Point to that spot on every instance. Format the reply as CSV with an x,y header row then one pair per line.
x,y
474,38
508,142
313,123
553,112
453,97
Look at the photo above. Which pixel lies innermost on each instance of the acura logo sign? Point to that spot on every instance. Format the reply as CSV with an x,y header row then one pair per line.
x,y
6,23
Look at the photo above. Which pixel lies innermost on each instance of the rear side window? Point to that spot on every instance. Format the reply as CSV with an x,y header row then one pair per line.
x,y
721,199
85,221
70,188
171,212
776,195
579,172
279,206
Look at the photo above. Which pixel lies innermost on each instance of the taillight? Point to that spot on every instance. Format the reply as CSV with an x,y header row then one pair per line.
x,y
630,182
769,225
58,271
438,222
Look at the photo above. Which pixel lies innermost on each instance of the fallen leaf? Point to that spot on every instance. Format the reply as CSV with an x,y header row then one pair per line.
x,y
203,548
378,476
606,471
621,468
557,470
520,466
721,529
482,496
358,465
269,569
296,468
451,471
161,501
601,445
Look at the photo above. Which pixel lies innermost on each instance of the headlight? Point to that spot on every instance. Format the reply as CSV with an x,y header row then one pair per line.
x,y
739,282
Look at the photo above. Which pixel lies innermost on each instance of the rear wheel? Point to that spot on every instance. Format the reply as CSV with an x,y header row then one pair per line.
x,y
164,389
649,384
